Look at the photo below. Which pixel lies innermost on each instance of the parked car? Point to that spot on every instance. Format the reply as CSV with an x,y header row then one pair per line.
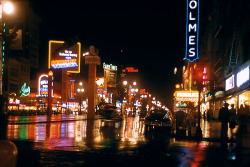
x,y
159,120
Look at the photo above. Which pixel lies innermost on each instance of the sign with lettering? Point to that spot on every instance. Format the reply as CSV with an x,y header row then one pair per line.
x,y
62,55
130,69
229,83
43,85
192,30
186,95
109,67
110,73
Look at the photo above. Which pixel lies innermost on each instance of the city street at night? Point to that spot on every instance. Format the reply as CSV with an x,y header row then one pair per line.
x,y
72,140
124,83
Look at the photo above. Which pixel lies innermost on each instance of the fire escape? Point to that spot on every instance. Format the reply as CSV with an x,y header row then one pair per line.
x,y
234,51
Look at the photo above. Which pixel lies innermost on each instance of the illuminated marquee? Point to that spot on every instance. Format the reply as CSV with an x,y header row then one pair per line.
x,y
186,95
192,30
63,56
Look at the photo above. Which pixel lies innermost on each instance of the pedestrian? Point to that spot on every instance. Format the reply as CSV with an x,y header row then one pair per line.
x,y
247,109
232,119
242,121
241,131
224,118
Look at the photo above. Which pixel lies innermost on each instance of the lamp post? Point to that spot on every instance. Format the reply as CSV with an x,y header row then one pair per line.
x,y
198,78
80,90
128,86
8,8
50,99
6,147
125,83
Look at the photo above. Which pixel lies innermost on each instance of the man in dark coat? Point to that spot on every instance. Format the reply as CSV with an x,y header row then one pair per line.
x,y
224,118
232,119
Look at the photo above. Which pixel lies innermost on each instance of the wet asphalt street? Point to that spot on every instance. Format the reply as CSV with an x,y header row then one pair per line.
x,y
71,140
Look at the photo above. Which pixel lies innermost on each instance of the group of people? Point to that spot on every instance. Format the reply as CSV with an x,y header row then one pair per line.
x,y
230,116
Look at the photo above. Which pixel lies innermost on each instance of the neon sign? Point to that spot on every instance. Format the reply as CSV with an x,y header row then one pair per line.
x,y
229,83
130,69
25,90
64,63
62,55
68,54
186,95
192,30
43,85
109,67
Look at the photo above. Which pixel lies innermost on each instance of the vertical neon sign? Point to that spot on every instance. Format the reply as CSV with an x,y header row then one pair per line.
x,y
43,85
192,30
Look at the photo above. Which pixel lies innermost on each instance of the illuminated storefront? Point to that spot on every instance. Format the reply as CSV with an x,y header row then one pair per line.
x,y
237,87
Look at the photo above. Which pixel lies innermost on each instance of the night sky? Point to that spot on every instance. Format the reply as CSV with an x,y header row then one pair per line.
x,y
151,35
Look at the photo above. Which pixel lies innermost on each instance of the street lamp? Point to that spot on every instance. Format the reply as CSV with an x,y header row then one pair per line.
x,y
80,90
125,82
133,90
8,8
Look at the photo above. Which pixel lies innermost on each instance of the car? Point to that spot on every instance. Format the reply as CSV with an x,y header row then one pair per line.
x,y
110,112
158,120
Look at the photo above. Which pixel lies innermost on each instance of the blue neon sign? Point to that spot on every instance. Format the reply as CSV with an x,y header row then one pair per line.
x,y
192,30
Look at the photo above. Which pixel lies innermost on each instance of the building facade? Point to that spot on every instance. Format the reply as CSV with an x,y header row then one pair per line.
x,y
225,48
21,43
224,51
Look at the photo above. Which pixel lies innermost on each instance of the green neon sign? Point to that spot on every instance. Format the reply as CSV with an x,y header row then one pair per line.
x,y
25,90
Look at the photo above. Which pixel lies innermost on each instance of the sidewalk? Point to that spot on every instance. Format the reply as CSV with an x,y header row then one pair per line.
x,y
233,147
211,130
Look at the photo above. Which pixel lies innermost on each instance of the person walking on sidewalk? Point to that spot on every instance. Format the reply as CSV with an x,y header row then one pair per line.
x,y
232,119
224,118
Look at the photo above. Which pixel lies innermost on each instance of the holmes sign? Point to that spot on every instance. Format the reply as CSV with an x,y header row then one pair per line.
x,y
192,30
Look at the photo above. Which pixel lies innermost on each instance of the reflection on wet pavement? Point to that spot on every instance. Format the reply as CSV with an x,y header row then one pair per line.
x,y
85,134
86,141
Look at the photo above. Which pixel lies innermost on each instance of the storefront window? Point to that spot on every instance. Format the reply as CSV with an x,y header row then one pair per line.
x,y
232,101
244,98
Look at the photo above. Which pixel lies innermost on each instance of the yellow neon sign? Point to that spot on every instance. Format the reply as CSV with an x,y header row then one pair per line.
x,y
55,62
